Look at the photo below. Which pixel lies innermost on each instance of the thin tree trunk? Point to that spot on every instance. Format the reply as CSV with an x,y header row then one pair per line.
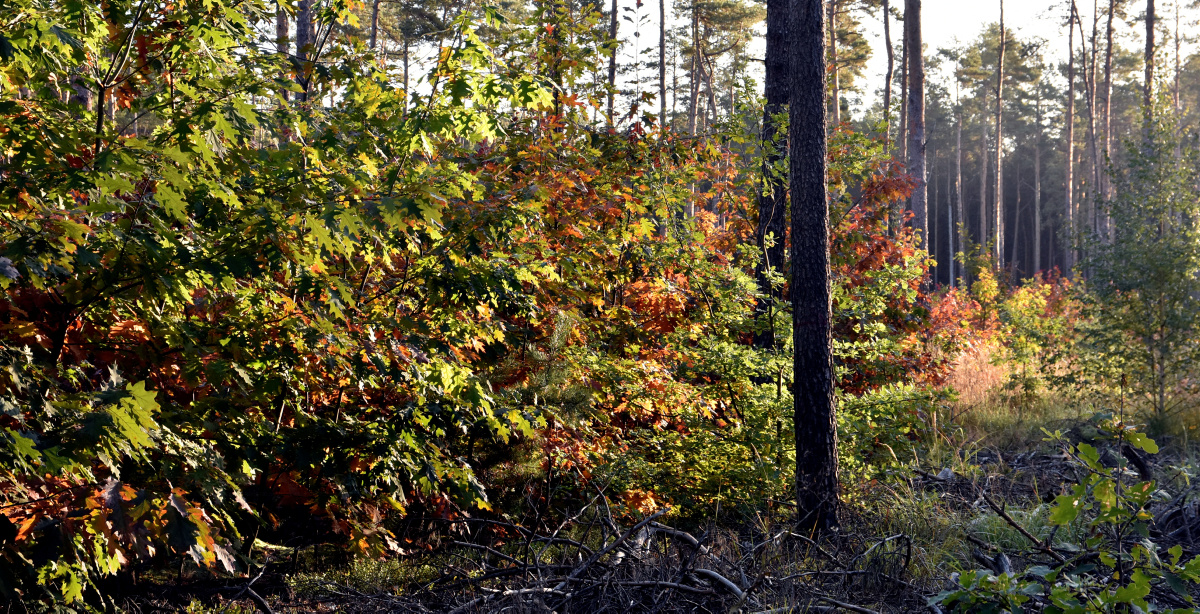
x,y
984,214
1091,75
916,119
903,136
304,44
813,389
375,24
887,80
958,185
1148,101
694,102
772,201
998,236
281,36
1178,66
662,62
1106,118
1069,252
612,63
835,107
1037,187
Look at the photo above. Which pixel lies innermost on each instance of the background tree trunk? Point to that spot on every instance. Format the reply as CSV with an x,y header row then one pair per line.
x,y
772,201
612,63
887,79
1069,179
998,231
835,107
916,118
1037,186
815,424
1148,94
662,62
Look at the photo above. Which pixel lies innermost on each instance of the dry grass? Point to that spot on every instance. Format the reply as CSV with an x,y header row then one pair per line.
x,y
988,413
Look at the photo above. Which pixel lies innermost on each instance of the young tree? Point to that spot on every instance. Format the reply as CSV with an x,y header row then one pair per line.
x,y
916,117
813,387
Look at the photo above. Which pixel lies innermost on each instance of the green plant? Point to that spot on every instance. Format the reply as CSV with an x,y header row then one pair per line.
x,y
1114,566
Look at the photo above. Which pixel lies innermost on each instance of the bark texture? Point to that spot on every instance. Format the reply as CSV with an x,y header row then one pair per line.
x,y
816,428
916,119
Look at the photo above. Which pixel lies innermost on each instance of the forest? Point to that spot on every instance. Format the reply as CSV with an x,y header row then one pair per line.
x,y
599,306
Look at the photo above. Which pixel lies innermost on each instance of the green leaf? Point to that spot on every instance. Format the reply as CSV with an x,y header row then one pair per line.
x,y
1140,440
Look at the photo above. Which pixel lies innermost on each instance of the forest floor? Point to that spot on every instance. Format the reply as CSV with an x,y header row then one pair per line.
x,y
980,496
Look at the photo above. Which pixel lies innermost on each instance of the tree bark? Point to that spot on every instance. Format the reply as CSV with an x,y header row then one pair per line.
x,y
375,24
813,388
1069,252
772,200
1148,101
1106,117
998,231
958,187
984,214
916,118
887,80
835,108
662,62
612,64
304,44
1037,186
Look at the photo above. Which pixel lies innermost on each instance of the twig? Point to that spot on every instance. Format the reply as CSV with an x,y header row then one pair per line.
x,y
620,540
1020,529
508,593
846,606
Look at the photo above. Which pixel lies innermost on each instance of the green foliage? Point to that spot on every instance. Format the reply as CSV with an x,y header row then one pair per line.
x,y
1113,566
1140,317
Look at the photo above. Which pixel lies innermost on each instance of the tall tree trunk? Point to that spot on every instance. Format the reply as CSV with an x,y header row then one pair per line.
x,y
835,107
1069,252
281,35
813,388
916,118
998,235
1178,66
305,44
958,187
375,24
887,79
612,63
1091,79
903,136
1148,94
1037,186
662,62
1106,118
984,214
772,201
694,93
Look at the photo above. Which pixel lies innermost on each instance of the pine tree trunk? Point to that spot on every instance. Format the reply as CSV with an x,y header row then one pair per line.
x,y
835,107
375,24
1037,187
694,93
612,63
998,231
1148,94
1106,118
958,192
662,62
1069,180
304,44
772,201
887,79
984,214
916,119
815,423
